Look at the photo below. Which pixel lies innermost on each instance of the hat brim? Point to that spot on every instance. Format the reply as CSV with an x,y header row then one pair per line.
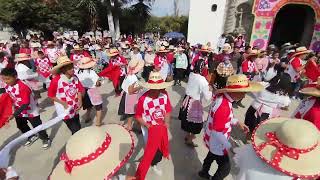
x,y
202,50
22,59
307,166
311,91
78,49
112,54
163,51
301,53
56,69
87,65
253,87
157,86
108,163
138,67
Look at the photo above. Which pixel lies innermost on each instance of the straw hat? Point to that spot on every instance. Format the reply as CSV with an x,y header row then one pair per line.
x,y
86,63
77,48
113,52
312,89
35,45
162,49
135,65
205,48
22,57
290,146
240,83
100,151
124,46
156,82
50,43
301,50
61,61
227,48
135,46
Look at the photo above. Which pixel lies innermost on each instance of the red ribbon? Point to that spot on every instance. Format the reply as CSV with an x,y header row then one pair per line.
x,y
282,150
70,164
237,86
155,82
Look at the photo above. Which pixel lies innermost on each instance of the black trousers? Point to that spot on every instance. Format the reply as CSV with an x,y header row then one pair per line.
x,y
223,162
73,124
22,124
252,121
157,158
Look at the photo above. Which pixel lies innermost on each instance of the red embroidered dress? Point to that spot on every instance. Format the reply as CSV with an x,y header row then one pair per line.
x,y
66,90
153,111
43,67
21,94
120,61
309,109
218,128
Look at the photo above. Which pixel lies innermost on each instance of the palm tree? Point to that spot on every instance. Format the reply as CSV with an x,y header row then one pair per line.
x,y
141,12
91,7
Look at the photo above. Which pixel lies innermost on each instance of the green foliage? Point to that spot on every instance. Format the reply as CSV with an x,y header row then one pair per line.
x,y
167,24
22,15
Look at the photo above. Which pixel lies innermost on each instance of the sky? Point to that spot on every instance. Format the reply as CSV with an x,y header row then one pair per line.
x,y
165,7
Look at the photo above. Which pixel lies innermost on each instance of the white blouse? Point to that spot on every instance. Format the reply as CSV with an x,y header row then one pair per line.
x,y
197,87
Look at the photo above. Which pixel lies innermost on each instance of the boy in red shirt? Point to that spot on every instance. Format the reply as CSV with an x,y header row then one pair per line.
x,y
66,91
153,112
25,106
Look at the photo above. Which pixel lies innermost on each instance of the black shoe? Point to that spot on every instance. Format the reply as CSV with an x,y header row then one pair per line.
x,y
204,175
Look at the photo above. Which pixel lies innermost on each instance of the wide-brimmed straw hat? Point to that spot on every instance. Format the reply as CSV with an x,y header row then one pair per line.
x,y
240,83
22,57
253,53
156,82
35,45
135,65
290,146
95,153
300,51
77,48
312,89
113,52
180,49
171,47
86,63
136,46
61,61
162,49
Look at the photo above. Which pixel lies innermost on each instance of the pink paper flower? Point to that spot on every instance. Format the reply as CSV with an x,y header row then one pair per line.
x,y
268,25
258,25
259,43
317,26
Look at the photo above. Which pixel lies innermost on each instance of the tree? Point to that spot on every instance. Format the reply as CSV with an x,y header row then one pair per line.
x,y
141,14
91,7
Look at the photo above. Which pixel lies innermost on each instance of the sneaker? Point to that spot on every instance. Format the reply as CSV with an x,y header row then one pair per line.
x,y
204,175
46,144
157,170
31,140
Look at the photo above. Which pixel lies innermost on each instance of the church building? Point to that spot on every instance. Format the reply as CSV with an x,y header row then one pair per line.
x,y
263,22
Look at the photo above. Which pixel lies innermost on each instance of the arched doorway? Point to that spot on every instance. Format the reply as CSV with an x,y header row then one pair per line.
x,y
293,23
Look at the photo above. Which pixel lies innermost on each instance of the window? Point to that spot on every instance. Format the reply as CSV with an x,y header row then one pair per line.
x,y
214,8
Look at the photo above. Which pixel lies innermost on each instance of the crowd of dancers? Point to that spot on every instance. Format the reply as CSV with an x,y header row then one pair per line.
x,y
73,72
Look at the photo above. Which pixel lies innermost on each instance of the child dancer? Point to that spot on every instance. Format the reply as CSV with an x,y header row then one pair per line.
x,y
25,106
90,81
130,89
220,120
44,66
66,91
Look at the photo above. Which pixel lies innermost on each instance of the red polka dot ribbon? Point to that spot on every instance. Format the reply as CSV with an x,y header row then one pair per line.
x,y
282,150
70,164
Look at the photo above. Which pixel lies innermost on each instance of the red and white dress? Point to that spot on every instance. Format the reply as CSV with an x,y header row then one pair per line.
x,y
66,90
218,127
162,64
21,94
43,68
77,57
248,67
120,61
294,65
309,109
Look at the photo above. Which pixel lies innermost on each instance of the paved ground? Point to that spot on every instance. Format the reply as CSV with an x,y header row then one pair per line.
x,y
33,163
